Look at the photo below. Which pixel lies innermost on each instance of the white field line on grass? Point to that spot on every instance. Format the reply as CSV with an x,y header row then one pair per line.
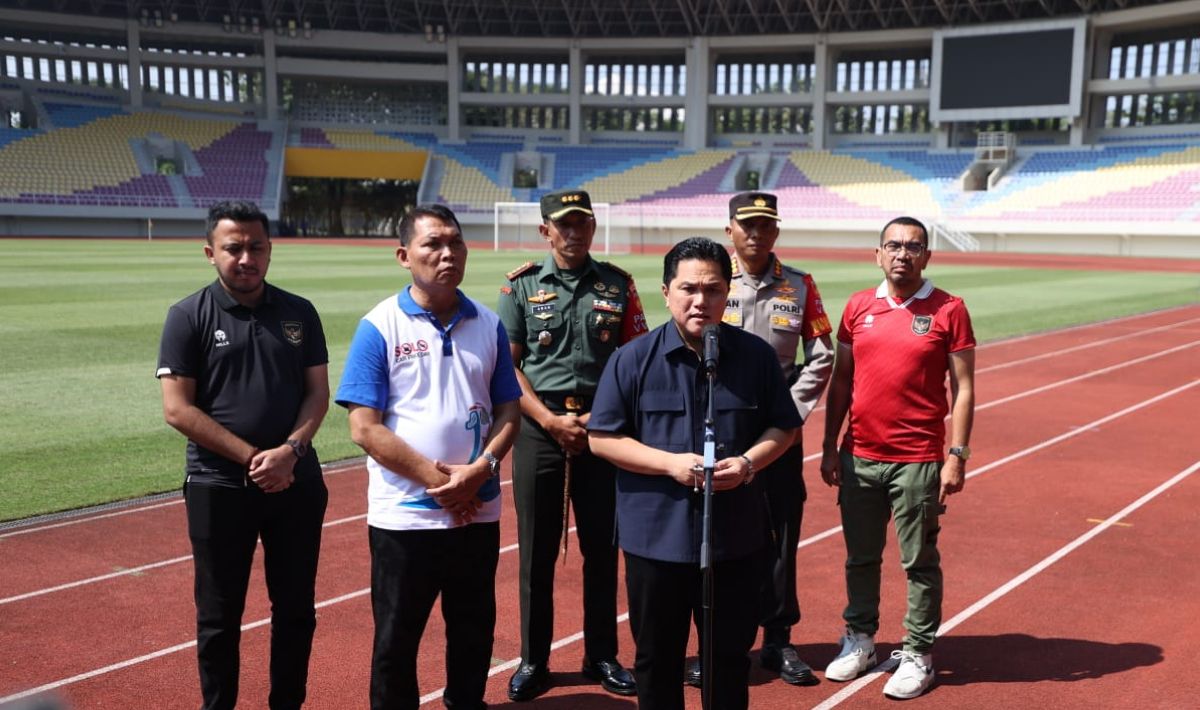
x,y
810,457
337,468
962,616
820,536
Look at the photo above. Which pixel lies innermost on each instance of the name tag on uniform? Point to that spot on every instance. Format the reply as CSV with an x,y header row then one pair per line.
x,y
543,311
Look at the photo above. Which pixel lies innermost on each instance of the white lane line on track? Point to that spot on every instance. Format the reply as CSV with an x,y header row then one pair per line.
x,y
809,458
327,470
962,616
1076,431
1084,346
336,468
563,642
137,570
514,662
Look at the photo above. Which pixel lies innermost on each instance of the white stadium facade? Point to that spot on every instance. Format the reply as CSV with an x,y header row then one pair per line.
x,y
1013,125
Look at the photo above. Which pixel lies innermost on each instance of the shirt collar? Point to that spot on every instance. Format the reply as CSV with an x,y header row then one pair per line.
x,y
405,300
550,268
774,270
227,302
921,294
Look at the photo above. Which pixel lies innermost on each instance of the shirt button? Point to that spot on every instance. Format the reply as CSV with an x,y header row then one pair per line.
x,y
578,347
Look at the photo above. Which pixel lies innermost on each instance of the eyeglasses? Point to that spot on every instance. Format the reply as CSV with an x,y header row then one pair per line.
x,y
914,248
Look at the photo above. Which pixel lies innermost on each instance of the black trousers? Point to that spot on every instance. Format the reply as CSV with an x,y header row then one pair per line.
x,y
224,524
786,494
538,472
409,569
662,599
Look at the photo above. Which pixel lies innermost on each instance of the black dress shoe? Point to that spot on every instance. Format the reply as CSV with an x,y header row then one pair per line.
x,y
530,681
691,674
611,676
785,660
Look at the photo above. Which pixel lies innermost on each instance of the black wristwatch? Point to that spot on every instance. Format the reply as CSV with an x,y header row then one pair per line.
x,y
963,452
299,448
492,462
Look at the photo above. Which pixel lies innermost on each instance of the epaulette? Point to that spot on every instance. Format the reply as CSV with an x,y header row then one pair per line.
x,y
617,269
794,270
519,270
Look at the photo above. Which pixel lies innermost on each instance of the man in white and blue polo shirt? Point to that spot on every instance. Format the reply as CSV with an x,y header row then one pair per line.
x,y
433,400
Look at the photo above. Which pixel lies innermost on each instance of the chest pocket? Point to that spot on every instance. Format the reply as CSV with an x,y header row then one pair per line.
x,y
664,423
786,320
545,318
604,321
737,421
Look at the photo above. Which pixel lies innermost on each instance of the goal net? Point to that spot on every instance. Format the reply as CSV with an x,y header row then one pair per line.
x,y
516,227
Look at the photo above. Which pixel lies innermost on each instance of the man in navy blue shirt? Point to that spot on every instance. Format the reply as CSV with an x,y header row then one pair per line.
x,y
648,419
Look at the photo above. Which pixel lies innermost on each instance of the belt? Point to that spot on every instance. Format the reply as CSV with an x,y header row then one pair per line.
x,y
566,402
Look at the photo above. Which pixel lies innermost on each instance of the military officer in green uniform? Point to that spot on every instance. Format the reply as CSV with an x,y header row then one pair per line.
x,y
565,316
781,305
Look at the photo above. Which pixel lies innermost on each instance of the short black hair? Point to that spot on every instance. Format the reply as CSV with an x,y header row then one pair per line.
x,y
238,211
906,222
700,248
439,212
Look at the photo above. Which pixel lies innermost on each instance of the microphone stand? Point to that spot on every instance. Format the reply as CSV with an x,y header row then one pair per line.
x,y
706,562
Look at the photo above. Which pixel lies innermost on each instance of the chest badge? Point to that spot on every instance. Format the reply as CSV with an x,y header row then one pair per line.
x,y
545,338
221,338
293,331
543,297
543,311
921,324
600,286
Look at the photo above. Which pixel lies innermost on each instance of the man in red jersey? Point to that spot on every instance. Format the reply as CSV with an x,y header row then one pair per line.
x,y
896,344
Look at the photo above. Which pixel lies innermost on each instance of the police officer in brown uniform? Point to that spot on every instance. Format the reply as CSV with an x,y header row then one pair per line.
x,y
565,317
781,305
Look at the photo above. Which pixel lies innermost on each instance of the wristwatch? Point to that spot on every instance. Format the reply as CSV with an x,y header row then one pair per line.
x,y
963,452
299,448
492,462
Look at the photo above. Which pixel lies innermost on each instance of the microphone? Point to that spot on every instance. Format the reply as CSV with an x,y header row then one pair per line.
x,y
711,351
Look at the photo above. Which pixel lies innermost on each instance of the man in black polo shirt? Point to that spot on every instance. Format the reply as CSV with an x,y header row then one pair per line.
x,y
244,376
647,419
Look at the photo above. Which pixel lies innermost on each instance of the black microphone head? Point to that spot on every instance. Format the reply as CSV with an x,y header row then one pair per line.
x,y
709,334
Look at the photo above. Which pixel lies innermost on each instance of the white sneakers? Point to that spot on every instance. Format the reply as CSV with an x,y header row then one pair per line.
x,y
913,676
856,657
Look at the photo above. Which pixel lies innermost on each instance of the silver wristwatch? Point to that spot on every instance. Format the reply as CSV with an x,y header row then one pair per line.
x,y
963,452
492,462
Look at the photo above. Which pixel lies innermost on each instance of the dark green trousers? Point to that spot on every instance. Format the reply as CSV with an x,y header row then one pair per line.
x,y
538,471
871,492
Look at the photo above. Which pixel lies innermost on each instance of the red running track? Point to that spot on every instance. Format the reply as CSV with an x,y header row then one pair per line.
x,y
1068,575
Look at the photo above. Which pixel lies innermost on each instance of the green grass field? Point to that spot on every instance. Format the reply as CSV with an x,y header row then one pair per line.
x,y
80,417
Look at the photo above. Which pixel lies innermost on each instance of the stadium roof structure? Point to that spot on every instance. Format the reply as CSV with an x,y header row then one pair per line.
x,y
585,18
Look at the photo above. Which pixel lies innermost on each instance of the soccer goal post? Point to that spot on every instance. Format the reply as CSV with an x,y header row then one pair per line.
x,y
515,225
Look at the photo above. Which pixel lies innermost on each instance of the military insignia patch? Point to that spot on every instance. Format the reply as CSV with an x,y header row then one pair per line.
x,y
732,318
545,338
543,311
607,306
784,288
600,286
506,290
605,336
293,331
921,324
543,297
